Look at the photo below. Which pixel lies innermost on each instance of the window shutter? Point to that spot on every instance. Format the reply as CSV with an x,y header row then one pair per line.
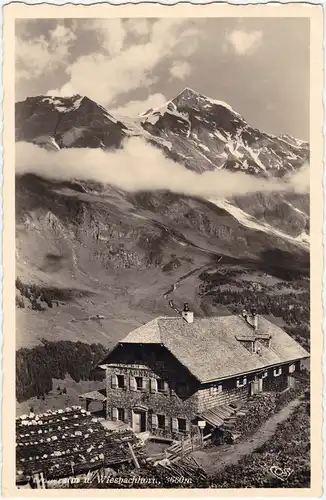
x,y
154,421
292,368
153,384
166,387
114,381
125,417
167,422
174,422
114,413
241,381
187,425
132,383
145,384
220,388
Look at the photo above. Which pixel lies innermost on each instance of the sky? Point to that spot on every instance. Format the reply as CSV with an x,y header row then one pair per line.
x,y
260,66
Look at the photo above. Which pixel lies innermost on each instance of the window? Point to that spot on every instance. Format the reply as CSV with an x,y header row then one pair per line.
x,y
277,372
160,385
182,424
215,389
153,385
241,381
139,383
121,414
264,375
292,368
121,381
161,421
118,414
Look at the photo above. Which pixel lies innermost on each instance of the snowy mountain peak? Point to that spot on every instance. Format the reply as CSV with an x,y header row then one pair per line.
x,y
195,130
191,97
189,91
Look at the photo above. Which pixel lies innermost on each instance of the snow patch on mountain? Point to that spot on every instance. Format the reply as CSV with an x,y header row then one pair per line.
x,y
296,209
154,118
218,134
303,238
47,142
60,103
255,156
201,145
208,101
72,135
221,103
251,222
292,140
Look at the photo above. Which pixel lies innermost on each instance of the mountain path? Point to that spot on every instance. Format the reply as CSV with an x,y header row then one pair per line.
x,y
214,461
182,278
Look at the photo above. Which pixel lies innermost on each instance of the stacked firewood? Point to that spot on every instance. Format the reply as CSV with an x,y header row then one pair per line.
x,y
257,410
65,442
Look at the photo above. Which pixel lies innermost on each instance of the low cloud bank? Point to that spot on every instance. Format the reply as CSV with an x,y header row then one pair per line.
x,y
142,167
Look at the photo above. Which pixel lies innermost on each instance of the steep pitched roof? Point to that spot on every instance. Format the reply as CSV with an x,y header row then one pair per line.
x,y
209,348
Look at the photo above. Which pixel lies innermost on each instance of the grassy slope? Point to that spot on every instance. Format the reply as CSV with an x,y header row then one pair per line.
x,y
54,400
288,449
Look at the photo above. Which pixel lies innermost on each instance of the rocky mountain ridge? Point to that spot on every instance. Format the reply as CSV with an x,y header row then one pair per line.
x,y
118,252
198,132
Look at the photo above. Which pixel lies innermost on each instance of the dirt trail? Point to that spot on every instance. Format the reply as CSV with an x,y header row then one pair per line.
x,y
182,278
217,459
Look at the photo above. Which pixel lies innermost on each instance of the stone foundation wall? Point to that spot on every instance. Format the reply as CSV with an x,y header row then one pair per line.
x,y
171,406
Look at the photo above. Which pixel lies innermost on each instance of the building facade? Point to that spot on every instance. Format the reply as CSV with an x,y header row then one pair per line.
x,y
166,373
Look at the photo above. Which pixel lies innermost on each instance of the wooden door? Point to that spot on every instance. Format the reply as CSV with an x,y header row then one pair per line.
x,y
260,384
139,421
256,386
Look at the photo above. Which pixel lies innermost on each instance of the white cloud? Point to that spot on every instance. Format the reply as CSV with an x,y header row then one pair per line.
x,y
110,34
131,67
65,91
32,57
180,70
140,27
134,108
39,55
138,166
192,36
244,42
61,38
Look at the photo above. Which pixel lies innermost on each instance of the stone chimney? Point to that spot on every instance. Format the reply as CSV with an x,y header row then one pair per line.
x,y
187,314
251,318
